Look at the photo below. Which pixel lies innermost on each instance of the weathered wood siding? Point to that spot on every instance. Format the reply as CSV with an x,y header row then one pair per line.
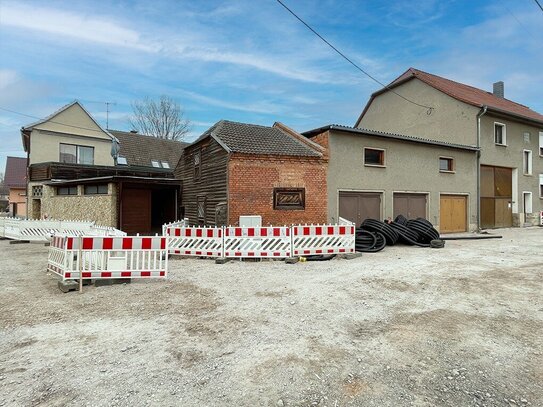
x,y
212,184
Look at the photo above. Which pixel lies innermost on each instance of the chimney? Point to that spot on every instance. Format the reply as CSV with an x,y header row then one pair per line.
x,y
498,89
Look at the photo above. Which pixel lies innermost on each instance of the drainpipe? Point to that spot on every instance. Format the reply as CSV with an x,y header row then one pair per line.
x,y
479,115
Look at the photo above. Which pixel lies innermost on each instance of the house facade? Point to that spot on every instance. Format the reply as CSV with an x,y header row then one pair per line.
x,y
237,169
78,170
15,181
509,170
381,175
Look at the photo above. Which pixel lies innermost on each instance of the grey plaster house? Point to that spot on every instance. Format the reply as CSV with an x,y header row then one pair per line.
x,y
373,174
506,182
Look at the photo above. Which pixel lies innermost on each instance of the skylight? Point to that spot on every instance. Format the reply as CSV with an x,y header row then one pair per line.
x,y
165,164
155,163
121,161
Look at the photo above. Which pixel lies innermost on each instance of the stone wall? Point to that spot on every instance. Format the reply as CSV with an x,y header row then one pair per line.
x,y
101,209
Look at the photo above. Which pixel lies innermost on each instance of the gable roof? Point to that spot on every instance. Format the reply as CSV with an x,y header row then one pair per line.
x,y
255,139
139,149
15,176
462,92
413,139
59,111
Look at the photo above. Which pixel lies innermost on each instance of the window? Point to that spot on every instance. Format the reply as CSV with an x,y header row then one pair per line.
x,y
37,191
155,163
201,209
72,154
374,156
541,185
446,164
289,198
67,191
165,164
527,162
541,143
96,189
121,160
197,165
527,136
500,134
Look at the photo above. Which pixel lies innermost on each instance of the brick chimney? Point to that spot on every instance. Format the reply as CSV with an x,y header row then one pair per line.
x,y
498,89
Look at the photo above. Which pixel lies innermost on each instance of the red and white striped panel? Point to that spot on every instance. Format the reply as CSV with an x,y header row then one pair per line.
x,y
323,239
94,275
195,241
117,243
257,242
58,241
55,269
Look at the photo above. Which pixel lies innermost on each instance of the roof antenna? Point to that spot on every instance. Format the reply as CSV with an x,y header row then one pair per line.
x,y
107,112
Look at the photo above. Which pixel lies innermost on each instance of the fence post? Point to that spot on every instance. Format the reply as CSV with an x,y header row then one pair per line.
x,y
291,228
223,232
80,264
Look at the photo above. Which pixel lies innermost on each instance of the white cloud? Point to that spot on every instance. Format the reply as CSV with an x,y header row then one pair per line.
x,y
72,25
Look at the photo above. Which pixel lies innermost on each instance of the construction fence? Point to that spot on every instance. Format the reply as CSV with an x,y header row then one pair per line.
x,y
260,242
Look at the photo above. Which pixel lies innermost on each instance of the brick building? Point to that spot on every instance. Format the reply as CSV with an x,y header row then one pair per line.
x,y
237,169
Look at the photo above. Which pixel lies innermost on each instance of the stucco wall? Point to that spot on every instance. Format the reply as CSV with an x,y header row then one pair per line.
x,y
18,196
99,208
450,120
511,156
72,126
410,167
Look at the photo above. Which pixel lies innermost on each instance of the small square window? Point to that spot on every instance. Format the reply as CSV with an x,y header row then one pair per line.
x,y
289,198
527,136
446,164
500,134
165,164
67,191
155,163
96,189
373,156
121,160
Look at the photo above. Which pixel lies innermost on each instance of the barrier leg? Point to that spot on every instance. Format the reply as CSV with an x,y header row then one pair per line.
x,y
80,265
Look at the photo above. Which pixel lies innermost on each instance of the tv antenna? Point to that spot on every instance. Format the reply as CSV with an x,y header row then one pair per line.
x,y
107,112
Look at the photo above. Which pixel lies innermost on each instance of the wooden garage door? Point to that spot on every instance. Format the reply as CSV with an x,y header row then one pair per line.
x,y
453,213
357,206
411,206
136,211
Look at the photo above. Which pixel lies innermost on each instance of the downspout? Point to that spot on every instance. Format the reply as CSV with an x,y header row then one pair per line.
x,y
479,115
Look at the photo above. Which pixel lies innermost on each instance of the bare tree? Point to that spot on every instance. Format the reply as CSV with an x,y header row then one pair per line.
x,y
164,118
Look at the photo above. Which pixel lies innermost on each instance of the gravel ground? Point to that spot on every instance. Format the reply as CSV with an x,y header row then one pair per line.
x,y
459,326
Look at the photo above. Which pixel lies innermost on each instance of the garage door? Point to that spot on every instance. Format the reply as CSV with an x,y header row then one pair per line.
x,y
357,206
410,205
136,211
453,213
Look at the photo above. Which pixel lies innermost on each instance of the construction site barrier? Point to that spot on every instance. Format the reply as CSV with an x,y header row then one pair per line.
x,y
176,224
42,230
260,242
325,239
195,241
90,257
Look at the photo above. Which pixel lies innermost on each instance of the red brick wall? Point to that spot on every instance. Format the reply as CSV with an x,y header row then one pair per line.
x,y
251,181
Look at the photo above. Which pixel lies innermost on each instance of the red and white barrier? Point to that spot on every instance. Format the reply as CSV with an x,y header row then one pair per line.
x,y
258,242
108,257
322,239
261,242
195,241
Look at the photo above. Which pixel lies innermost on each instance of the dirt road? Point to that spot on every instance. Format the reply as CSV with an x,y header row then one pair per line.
x,y
459,326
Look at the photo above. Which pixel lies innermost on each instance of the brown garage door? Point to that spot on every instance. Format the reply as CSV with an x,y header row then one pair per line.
x,y
136,211
357,206
410,205
453,213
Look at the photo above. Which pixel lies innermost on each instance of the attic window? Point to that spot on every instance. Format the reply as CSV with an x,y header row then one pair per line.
x,y
121,161
155,163
165,164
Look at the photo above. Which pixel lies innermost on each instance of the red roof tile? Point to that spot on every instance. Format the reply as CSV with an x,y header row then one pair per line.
x,y
15,176
468,94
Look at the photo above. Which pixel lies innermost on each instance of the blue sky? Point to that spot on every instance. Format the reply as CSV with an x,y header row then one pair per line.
x,y
251,61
